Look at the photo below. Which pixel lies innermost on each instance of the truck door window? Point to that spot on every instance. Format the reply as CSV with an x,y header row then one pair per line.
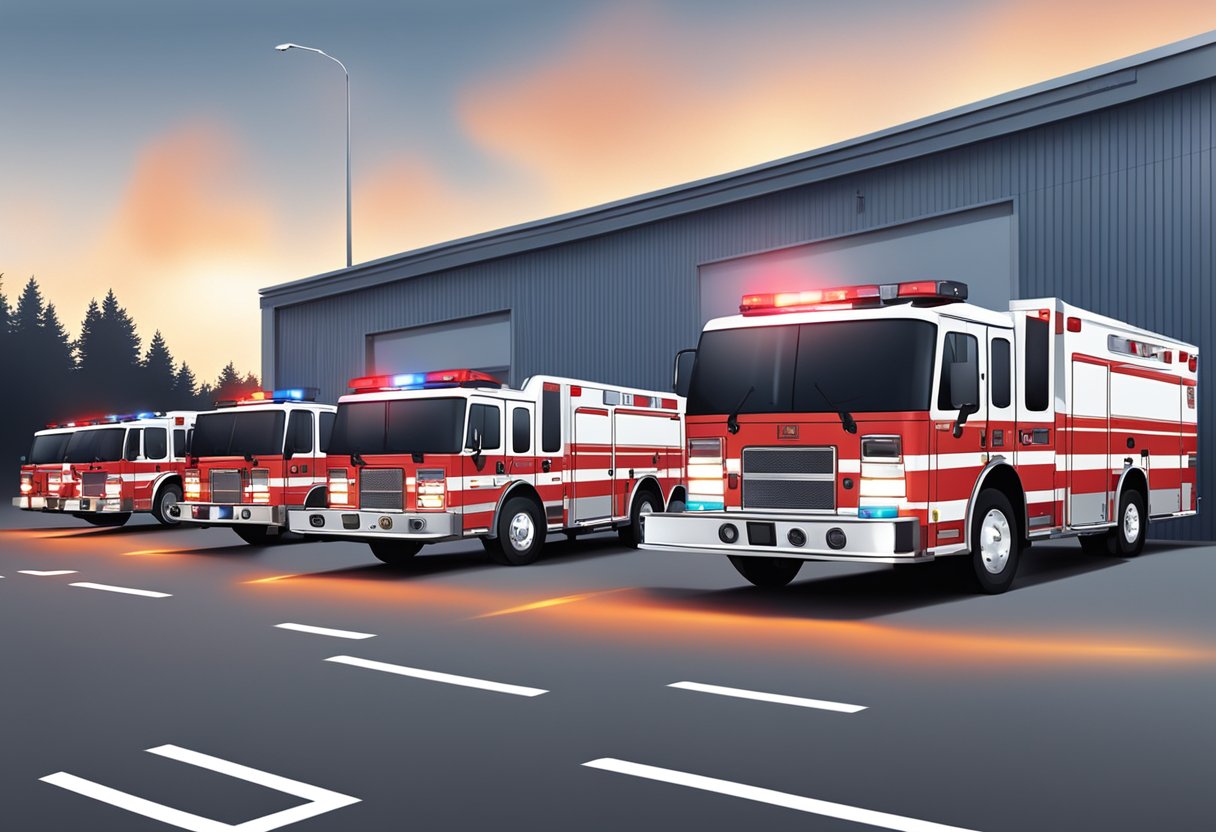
x,y
156,443
957,348
179,442
1036,368
299,432
327,429
1000,375
132,447
551,421
486,420
521,430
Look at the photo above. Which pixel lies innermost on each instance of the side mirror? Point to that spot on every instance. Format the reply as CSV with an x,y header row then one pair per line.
x,y
681,371
474,443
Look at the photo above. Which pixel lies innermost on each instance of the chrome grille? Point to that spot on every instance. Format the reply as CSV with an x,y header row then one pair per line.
x,y
226,487
381,488
93,484
789,479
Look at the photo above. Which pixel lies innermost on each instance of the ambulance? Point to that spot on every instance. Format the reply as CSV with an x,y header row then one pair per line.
x,y
419,458
897,423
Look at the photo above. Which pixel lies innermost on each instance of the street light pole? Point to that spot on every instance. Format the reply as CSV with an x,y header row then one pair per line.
x,y
283,47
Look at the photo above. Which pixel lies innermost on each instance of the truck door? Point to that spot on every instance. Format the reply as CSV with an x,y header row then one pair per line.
x,y
1089,473
521,461
1035,455
593,464
485,473
960,417
550,448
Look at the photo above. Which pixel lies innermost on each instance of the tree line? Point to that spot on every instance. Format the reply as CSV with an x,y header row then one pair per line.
x,y
47,376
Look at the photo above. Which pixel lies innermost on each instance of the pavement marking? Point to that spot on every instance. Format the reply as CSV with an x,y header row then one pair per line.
x,y
324,631
433,676
147,593
319,800
771,797
780,699
47,573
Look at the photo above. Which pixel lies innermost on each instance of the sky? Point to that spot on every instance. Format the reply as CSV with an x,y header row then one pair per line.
x,y
166,150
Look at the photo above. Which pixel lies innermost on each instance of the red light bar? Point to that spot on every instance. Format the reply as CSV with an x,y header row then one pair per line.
x,y
418,381
870,294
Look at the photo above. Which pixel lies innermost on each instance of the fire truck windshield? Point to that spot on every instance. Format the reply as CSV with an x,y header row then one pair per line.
x,y
233,433
104,445
862,366
399,426
48,448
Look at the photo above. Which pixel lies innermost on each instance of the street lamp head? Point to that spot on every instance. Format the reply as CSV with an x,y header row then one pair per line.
x,y
283,47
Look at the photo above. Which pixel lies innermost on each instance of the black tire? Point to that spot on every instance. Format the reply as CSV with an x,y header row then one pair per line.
x,y
108,520
1103,544
996,543
769,573
1132,502
676,506
395,552
168,495
257,535
646,502
521,533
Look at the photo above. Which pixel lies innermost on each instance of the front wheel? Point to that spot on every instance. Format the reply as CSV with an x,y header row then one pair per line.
x,y
769,573
521,533
395,552
110,520
168,496
647,502
995,543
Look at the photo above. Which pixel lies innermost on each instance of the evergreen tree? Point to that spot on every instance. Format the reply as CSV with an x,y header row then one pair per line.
x,y
159,376
205,399
6,312
250,384
185,388
86,345
56,339
28,317
228,385
121,329
108,355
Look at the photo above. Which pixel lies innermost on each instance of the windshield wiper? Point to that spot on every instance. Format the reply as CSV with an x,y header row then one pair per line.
x,y
732,421
356,460
846,419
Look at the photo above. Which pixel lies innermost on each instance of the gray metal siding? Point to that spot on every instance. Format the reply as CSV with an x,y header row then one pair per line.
x,y
1114,213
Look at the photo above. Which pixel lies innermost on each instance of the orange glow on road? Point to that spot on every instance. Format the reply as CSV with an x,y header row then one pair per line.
x,y
272,579
548,602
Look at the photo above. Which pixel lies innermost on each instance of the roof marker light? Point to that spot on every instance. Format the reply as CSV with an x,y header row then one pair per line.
x,y
872,294
417,381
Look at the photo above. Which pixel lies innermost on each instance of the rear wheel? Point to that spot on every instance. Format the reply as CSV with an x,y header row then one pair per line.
x,y
395,552
995,543
1133,524
169,495
106,519
767,572
521,533
257,535
646,502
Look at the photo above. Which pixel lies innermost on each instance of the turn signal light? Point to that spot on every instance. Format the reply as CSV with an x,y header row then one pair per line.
x,y
432,489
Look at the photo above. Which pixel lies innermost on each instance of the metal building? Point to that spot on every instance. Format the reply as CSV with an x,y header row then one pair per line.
x,y
1096,187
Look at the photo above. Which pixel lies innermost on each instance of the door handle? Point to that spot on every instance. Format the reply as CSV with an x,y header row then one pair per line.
x,y
610,472
500,469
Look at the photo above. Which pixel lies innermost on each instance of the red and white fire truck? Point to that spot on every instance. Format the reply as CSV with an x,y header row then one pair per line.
x,y
254,458
420,458
103,470
896,423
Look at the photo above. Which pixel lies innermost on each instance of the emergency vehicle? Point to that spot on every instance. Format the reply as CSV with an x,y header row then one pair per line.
x,y
420,458
103,470
897,423
251,459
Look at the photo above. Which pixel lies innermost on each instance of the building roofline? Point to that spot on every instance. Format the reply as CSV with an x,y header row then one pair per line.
x,y
1127,79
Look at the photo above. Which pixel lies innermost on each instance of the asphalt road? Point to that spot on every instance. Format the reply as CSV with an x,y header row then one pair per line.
x,y
1079,700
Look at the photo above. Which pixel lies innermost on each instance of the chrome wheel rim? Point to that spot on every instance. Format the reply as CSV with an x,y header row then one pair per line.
x,y
995,541
522,531
1131,523
167,500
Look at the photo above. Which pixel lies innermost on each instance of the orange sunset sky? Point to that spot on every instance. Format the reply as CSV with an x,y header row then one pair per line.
x,y
166,149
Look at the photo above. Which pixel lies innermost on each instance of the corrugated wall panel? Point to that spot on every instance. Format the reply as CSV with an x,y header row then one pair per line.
x,y
1114,213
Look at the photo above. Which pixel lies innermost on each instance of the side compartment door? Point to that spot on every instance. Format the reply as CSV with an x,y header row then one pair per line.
x,y
593,464
1089,472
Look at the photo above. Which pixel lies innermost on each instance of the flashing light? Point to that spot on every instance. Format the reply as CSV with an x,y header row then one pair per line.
x,y
259,484
339,487
27,483
1193,363
420,381
192,485
296,394
878,512
432,489
706,491
872,294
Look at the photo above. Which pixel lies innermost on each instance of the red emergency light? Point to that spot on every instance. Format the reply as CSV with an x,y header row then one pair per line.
x,y
851,297
422,381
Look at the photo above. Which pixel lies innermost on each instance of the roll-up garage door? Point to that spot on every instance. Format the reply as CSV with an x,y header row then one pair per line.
x,y
976,246
481,343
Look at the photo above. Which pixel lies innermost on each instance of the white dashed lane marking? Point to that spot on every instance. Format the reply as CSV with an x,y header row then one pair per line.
x,y
433,676
47,573
778,698
774,798
324,631
147,593
319,800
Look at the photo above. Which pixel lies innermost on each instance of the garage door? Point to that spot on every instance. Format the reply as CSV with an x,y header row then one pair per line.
x,y
976,247
482,343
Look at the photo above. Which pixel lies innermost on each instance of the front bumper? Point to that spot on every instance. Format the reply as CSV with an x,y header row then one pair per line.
x,y
425,526
768,535
224,514
76,505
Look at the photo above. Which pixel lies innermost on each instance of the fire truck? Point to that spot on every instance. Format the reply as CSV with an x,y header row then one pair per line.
x,y
419,458
251,459
103,470
897,423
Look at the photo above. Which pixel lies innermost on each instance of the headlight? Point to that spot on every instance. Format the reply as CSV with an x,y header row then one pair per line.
x,y
259,484
339,487
27,483
192,487
114,485
432,489
706,489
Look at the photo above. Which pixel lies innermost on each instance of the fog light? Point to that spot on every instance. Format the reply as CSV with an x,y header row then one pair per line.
x,y
246,514
796,537
385,523
316,521
836,538
417,525
727,533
